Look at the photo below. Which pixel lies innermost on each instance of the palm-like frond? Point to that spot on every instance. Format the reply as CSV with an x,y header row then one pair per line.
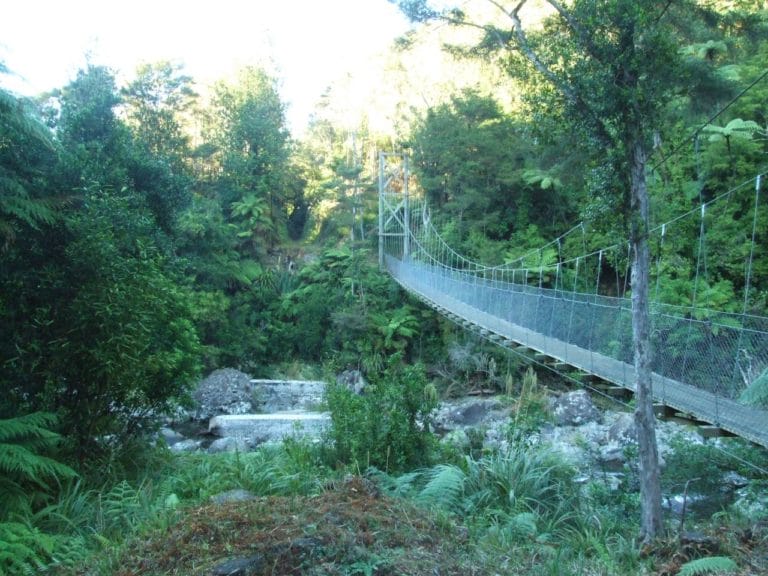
x,y
21,441
444,487
23,549
26,145
710,565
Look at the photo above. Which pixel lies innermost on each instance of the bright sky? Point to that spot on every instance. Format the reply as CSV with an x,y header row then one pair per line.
x,y
308,43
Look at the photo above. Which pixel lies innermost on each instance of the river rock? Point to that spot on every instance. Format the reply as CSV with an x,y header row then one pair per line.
x,y
171,437
234,495
228,445
224,391
623,431
249,566
460,414
186,446
352,379
575,408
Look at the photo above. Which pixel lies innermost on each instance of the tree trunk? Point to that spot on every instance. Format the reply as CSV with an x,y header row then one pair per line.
x,y
650,480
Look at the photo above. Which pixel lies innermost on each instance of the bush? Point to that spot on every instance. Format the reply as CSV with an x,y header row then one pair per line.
x,y
388,426
103,335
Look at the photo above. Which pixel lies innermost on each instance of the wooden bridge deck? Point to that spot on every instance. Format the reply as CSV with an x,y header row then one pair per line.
x,y
744,421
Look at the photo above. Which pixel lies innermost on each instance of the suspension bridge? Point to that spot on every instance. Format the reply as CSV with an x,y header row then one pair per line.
x,y
708,364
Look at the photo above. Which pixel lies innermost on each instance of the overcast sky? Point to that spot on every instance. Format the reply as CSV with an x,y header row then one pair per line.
x,y
308,43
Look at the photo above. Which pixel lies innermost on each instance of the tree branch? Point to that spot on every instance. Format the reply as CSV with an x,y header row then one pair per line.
x,y
584,38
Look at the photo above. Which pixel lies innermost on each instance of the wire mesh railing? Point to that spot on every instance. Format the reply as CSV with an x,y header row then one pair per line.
x,y
704,361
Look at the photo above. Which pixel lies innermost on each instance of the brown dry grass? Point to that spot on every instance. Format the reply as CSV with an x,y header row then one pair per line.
x,y
348,529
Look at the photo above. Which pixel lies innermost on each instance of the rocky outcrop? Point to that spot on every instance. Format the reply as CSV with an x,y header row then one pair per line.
x,y
224,391
352,379
228,444
248,566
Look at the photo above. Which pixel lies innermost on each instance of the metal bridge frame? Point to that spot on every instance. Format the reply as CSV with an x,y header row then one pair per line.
x,y
677,399
393,179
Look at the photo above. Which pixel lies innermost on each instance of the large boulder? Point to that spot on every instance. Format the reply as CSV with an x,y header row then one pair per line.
x,y
224,391
469,412
352,379
228,445
574,409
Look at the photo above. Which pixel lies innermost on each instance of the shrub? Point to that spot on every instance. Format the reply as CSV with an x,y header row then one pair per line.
x,y
388,426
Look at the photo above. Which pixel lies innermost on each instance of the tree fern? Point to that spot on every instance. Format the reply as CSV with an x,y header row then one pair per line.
x,y
21,441
26,145
709,565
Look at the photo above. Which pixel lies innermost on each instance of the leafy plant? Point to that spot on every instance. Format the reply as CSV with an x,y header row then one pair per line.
x,y
709,565
756,394
22,464
531,409
388,426
24,549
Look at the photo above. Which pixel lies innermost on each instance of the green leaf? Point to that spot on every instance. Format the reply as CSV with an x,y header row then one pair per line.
x,y
710,565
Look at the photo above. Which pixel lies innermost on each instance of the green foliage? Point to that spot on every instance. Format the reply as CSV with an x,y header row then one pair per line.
x,y
709,565
444,487
27,154
466,174
756,394
157,102
114,344
24,549
388,426
295,467
248,125
531,408
24,468
26,476
523,495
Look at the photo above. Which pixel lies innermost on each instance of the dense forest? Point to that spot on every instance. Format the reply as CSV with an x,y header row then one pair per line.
x,y
153,231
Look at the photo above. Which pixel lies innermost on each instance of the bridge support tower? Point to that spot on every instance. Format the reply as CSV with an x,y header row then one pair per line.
x,y
394,209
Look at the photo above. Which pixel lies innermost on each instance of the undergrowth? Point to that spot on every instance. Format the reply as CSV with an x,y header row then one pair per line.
x,y
525,511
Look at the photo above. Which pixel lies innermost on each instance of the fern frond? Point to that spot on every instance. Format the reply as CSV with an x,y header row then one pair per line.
x,y
756,394
444,487
20,440
30,425
23,549
709,565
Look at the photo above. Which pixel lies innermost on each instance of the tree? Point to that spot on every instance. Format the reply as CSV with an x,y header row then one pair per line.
x,y
611,66
96,324
27,155
95,143
248,125
500,189
157,103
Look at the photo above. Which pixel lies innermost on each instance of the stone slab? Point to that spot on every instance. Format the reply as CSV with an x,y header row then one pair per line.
x,y
260,428
287,395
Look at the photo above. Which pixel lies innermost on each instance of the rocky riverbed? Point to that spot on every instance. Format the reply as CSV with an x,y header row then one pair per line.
x,y
234,412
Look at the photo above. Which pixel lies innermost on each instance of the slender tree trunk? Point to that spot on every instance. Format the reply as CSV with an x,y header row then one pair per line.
x,y
650,478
